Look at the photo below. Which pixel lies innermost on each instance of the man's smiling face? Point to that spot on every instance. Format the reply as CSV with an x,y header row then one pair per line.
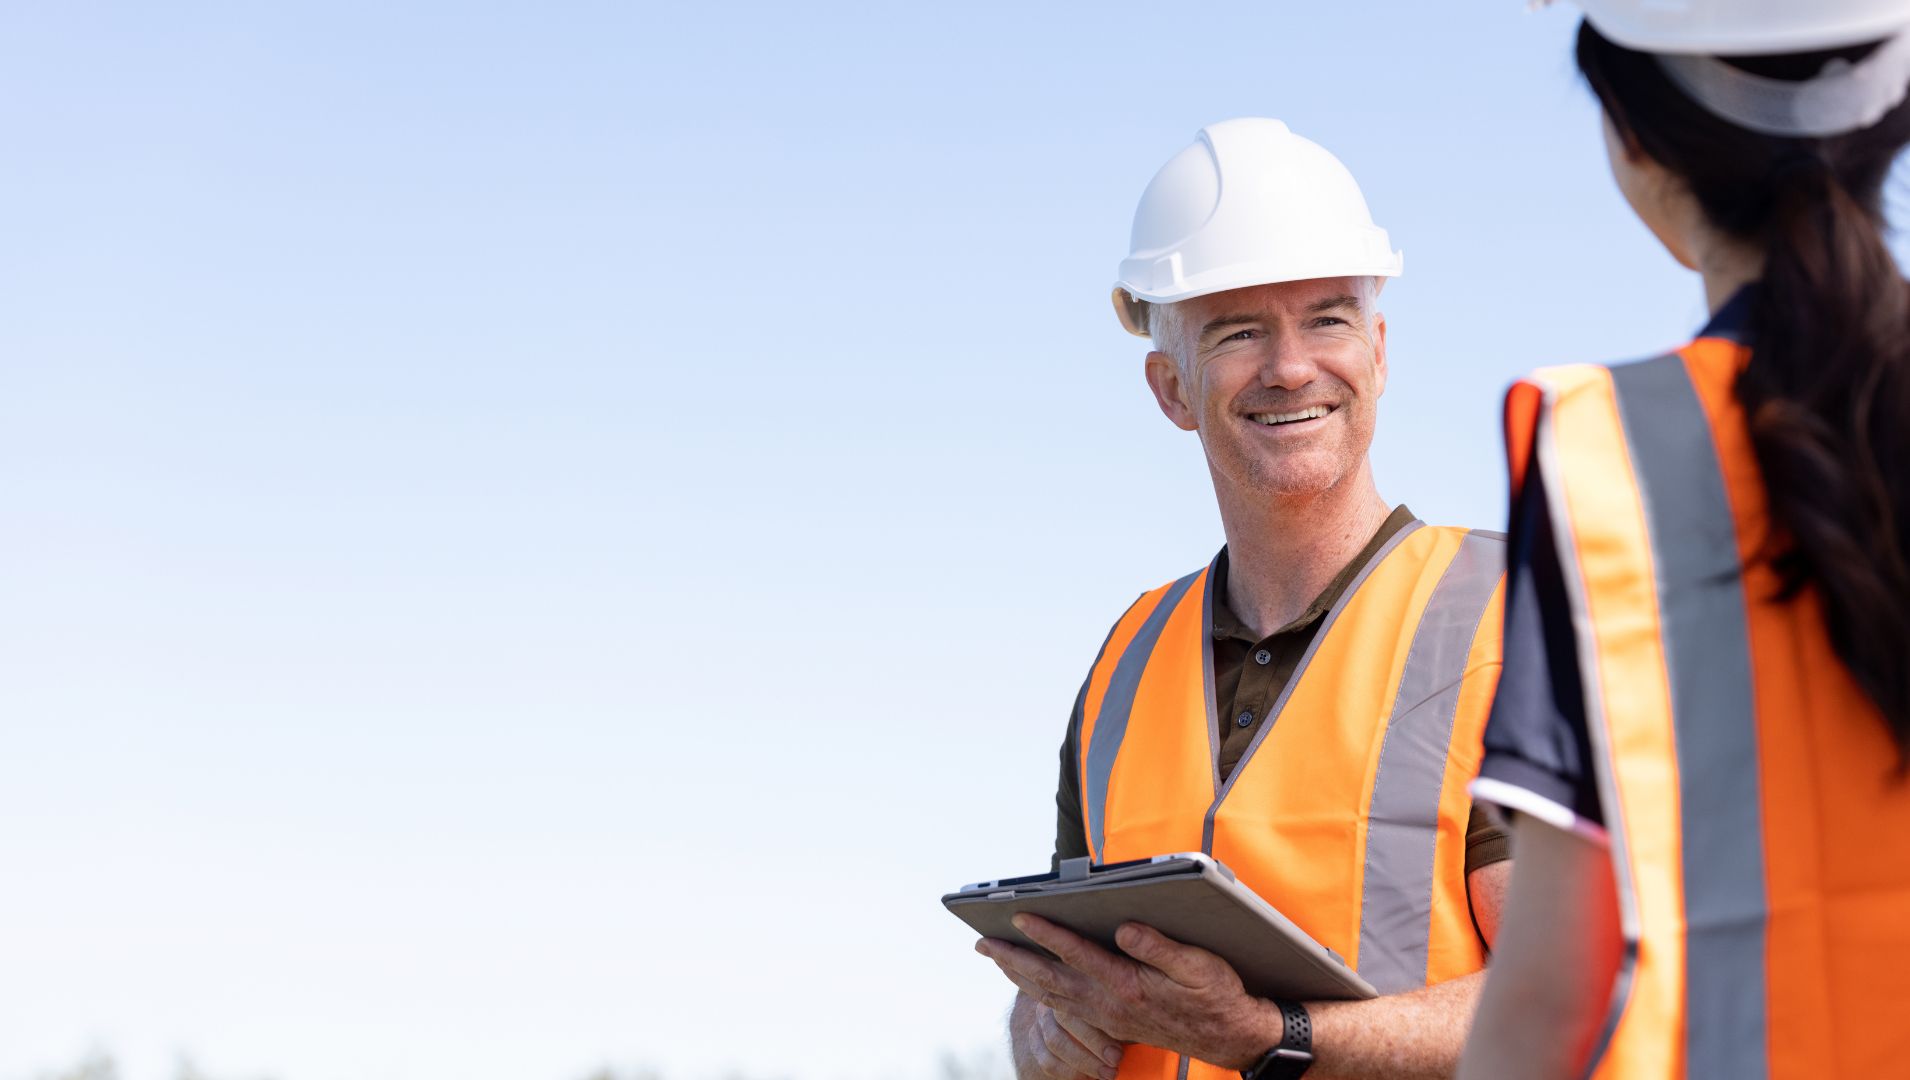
x,y
1281,381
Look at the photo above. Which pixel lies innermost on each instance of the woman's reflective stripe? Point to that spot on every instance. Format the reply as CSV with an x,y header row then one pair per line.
x,y
1705,635
1403,821
1110,725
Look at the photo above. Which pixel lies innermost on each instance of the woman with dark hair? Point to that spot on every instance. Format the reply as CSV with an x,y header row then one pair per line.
x,y
1703,724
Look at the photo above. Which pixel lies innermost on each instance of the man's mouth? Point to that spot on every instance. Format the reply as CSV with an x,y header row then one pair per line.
x,y
1273,419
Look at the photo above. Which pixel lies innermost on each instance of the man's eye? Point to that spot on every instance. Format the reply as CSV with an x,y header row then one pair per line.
x,y
1328,320
1239,335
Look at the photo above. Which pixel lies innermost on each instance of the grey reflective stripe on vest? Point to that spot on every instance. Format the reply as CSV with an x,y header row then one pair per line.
x,y
1207,673
1110,724
1402,827
1706,637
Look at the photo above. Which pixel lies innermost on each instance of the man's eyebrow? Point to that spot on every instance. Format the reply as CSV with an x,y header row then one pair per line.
x,y
1344,300
1224,321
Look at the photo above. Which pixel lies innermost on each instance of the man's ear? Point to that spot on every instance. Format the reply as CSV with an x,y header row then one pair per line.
x,y
1171,391
1379,353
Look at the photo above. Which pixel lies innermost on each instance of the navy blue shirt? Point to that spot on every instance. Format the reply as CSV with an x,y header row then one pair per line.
x,y
1538,755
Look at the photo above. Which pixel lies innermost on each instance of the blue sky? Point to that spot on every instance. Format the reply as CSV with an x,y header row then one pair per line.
x,y
549,535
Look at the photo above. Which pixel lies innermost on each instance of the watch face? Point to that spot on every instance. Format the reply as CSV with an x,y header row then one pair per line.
x,y
1281,1063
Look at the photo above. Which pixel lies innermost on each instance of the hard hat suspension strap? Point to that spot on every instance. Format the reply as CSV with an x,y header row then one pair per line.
x,y
1842,98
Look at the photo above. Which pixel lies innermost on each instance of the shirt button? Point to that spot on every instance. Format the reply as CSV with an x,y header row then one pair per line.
x,y
1245,719
1263,657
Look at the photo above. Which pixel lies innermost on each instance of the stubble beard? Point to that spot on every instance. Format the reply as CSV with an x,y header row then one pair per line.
x,y
1305,473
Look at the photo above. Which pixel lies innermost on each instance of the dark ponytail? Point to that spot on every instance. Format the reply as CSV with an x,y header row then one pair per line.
x,y
1827,390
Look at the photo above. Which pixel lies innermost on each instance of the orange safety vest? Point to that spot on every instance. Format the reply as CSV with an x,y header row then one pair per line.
x,y
1761,847
1349,810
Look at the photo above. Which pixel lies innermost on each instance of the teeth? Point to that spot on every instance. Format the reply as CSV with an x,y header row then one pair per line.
x,y
1313,413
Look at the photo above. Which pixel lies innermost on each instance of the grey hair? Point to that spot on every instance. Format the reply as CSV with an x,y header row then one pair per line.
x,y
1163,323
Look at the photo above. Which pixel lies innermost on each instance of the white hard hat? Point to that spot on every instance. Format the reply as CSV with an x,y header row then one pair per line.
x,y
1688,35
1249,203
1744,27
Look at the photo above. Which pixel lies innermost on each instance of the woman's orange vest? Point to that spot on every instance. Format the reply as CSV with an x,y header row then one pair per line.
x,y
1349,810
1761,844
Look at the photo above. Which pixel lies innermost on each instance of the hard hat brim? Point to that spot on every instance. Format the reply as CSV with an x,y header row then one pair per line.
x,y
1131,312
1130,301
1741,33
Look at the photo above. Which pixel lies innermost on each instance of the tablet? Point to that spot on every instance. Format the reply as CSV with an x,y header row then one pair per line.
x,y
1189,897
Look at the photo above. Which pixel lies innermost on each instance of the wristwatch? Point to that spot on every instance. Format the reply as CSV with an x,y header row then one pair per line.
x,y
1291,1059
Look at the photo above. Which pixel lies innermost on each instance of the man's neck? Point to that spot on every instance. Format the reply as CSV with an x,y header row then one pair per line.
x,y
1282,553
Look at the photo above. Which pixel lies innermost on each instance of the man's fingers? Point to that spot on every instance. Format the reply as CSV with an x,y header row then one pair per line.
x,y
1096,1041
1028,986
994,951
1038,977
1050,1067
1185,964
1069,1050
1074,950
1046,1062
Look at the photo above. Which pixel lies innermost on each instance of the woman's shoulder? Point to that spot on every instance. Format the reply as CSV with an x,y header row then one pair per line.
x,y
1634,380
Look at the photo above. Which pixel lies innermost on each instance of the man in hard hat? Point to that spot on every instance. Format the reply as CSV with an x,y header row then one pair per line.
x,y
1307,708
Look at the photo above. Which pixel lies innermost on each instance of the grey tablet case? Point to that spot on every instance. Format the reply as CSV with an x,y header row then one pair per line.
x,y
1190,898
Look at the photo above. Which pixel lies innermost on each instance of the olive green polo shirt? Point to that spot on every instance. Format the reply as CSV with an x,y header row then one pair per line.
x,y
1249,676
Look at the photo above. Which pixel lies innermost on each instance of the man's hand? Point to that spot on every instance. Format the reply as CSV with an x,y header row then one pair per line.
x,y
1161,993
1049,1046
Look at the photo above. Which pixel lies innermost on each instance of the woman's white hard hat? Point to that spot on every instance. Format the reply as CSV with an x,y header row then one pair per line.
x,y
1689,36
1744,27
1249,203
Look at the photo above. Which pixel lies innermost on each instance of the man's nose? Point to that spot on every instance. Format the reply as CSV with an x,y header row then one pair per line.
x,y
1286,364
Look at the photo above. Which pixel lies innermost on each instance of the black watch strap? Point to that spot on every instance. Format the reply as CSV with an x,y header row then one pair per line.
x,y
1291,1059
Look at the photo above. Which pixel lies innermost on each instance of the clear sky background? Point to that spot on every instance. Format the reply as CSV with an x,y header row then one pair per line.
x,y
547,535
